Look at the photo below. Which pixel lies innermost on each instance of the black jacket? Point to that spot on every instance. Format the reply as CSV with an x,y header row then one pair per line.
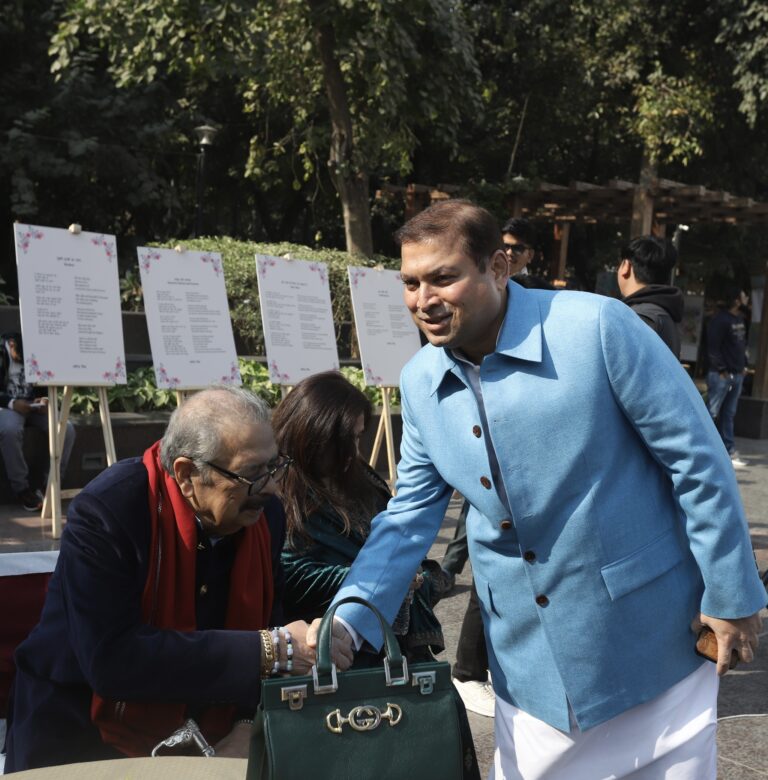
x,y
661,307
727,342
5,362
92,637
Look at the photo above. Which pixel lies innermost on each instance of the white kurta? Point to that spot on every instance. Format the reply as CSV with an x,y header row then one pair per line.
x,y
671,737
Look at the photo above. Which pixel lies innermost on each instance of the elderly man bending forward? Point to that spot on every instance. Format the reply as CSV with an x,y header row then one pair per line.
x,y
168,573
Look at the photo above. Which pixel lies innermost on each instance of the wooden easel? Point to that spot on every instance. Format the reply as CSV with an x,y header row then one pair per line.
x,y
182,395
57,427
384,432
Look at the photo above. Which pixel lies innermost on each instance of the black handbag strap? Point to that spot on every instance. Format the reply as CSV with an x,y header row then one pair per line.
x,y
324,660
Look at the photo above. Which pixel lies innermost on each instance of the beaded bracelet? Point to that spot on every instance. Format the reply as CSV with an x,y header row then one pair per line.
x,y
245,721
276,641
288,650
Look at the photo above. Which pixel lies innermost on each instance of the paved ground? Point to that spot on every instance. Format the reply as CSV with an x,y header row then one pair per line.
x,y
742,742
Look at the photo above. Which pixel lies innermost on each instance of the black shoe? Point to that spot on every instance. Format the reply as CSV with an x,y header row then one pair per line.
x,y
31,500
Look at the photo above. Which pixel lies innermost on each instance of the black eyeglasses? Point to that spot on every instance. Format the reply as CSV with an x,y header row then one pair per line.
x,y
258,484
516,249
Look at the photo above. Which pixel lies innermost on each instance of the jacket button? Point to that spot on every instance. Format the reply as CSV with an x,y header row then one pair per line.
x,y
476,430
542,600
506,524
203,590
529,555
485,482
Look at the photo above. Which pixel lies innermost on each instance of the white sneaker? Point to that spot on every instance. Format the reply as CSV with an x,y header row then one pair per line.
x,y
477,696
737,462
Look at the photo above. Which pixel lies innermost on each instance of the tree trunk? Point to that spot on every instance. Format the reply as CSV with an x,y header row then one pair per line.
x,y
642,203
351,183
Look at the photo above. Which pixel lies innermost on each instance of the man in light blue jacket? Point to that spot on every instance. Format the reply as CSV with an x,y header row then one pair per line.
x,y
606,521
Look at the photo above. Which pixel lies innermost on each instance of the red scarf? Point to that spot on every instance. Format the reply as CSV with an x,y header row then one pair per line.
x,y
168,602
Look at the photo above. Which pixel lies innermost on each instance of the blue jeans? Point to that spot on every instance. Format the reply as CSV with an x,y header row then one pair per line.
x,y
12,426
722,399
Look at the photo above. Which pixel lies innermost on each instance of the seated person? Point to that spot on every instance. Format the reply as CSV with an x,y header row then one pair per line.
x,y
20,408
169,569
330,496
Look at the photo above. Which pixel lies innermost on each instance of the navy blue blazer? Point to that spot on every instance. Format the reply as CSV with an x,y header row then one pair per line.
x,y
91,636
623,517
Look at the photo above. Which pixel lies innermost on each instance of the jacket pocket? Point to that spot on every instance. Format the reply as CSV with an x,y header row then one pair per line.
x,y
485,596
642,566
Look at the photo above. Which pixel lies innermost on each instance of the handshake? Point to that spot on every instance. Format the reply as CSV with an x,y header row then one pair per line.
x,y
305,645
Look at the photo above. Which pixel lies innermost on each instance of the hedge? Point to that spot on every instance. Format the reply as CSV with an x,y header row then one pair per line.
x,y
141,394
239,261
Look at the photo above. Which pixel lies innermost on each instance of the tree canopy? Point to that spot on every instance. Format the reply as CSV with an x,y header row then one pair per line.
x,y
320,102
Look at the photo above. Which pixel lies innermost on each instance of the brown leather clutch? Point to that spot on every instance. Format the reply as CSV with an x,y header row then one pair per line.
x,y
706,646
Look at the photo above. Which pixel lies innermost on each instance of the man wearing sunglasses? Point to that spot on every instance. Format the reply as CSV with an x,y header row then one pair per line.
x,y
519,244
166,602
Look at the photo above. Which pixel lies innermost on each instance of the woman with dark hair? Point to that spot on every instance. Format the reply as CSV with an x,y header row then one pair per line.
x,y
330,497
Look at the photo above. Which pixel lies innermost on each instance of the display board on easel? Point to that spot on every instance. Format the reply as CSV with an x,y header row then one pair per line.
x,y
295,301
190,331
69,297
388,339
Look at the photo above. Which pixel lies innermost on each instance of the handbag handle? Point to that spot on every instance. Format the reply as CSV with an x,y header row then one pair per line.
x,y
394,656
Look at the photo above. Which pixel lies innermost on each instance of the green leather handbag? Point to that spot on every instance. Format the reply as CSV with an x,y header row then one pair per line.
x,y
391,723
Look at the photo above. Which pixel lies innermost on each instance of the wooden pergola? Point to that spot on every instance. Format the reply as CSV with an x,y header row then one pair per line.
x,y
653,208
664,202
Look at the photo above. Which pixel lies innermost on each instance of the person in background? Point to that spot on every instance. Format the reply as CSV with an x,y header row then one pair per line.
x,y
20,408
643,277
519,244
727,350
330,496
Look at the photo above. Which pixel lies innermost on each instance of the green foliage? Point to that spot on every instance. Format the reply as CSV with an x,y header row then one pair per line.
x,y
670,113
239,260
141,395
744,31
5,299
131,296
393,88
356,376
481,93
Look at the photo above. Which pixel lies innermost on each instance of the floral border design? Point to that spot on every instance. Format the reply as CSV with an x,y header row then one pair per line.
x,y
233,377
214,261
370,376
265,263
355,274
25,236
147,258
33,371
164,380
118,373
320,270
275,375
108,246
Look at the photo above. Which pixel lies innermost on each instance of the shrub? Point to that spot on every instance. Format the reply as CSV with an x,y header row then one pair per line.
x,y
141,394
239,260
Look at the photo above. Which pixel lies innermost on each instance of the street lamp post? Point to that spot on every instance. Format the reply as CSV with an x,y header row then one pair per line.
x,y
206,135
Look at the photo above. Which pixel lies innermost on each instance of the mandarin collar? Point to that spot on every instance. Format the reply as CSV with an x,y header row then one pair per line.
x,y
520,335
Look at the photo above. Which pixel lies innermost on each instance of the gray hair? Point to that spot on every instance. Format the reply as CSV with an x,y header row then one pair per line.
x,y
196,428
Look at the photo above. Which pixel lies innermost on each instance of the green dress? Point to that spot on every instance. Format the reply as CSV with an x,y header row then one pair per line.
x,y
315,571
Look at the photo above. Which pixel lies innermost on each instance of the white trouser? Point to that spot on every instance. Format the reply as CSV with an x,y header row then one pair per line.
x,y
671,737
